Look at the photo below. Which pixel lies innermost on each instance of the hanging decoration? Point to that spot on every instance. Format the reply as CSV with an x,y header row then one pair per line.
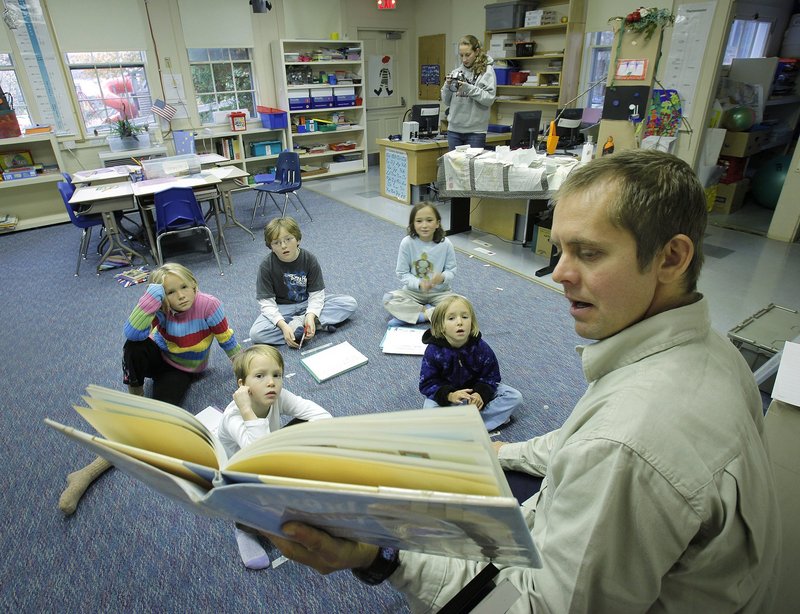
x,y
644,20
386,4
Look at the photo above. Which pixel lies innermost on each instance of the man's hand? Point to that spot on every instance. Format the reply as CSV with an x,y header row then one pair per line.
x,y
320,551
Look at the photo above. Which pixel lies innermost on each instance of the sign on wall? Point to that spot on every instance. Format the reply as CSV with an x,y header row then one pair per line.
x,y
396,177
379,76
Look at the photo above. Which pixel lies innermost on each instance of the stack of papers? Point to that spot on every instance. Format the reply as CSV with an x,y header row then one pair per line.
x,y
403,340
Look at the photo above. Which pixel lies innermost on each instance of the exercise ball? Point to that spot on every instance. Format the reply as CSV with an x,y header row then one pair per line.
x,y
739,119
768,181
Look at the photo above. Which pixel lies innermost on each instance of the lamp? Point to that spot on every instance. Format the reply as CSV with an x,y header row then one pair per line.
x,y
386,4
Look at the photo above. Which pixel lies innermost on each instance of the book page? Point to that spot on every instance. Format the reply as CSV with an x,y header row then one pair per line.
x,y
333,361
404,340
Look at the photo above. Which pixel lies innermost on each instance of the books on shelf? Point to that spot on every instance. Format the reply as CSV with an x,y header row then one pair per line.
x,y
325,363
419,480
38,129
8,222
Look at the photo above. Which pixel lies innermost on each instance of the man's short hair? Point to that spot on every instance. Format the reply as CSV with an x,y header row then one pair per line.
x,y
243,361
274,228
654,195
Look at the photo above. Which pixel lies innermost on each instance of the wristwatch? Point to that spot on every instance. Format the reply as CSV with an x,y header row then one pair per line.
x,y
383,566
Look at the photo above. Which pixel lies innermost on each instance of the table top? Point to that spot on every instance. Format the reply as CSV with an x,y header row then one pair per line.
x,y
112,173
104,191
491,137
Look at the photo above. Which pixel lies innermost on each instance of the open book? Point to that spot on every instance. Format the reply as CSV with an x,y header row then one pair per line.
x,y
424,480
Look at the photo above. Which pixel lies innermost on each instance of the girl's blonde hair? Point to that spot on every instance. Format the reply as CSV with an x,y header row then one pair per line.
x,y
173,268
437,318
481,60
243,361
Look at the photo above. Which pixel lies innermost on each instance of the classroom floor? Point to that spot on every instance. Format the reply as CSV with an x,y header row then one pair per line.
x,y
742,274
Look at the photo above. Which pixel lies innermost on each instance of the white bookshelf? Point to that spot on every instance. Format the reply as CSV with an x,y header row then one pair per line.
x,y
292,78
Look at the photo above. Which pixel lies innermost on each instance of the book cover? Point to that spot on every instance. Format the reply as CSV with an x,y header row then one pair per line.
x,y
420,480
333,361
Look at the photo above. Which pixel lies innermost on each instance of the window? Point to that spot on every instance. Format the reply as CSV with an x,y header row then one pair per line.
x,y
748,39
595,67
10,85
110,85
223,81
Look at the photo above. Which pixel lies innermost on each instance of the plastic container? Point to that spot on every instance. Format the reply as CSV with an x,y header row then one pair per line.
x,y
502,15
519,77
274,119
503,75
525,50
172,166
265,148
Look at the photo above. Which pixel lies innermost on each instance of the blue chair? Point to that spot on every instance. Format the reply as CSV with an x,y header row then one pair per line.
x,y
287,181
177,212
84,222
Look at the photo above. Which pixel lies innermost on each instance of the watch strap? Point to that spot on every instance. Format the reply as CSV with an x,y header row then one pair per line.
x,y
384,565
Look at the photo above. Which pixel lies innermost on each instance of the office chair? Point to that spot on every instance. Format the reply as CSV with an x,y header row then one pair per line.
x,y
178,211
84,222
287,174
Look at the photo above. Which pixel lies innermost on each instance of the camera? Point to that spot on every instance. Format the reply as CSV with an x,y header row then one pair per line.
x,y
455,79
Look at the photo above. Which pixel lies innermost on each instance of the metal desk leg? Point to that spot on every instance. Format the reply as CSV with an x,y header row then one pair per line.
x,y
220,233
114,242
230,216
148,226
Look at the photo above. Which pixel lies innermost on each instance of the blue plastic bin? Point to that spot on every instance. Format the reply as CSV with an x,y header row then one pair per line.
x,y
503,75
273,119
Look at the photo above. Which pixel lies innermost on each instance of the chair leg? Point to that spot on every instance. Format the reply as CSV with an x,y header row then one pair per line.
x,y
285,203
274,202
214,247
255,207
82,248
297,196
158,251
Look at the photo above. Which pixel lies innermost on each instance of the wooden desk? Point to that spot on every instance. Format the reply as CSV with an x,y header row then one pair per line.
x,y
405,164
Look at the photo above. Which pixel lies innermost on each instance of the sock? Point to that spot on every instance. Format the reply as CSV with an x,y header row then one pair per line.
x,y
397,322
77,483
328,328
252,552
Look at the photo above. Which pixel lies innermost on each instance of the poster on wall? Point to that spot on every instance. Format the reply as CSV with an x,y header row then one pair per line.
x,y
396,177
379,76
429,74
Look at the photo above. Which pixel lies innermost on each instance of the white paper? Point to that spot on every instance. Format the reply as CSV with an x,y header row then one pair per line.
x,y
404,340
787,382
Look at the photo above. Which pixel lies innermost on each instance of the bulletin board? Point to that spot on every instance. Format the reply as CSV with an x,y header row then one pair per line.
x,y
396,174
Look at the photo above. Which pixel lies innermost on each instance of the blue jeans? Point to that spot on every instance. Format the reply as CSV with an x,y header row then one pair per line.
x,y
473,139
337,308
496,411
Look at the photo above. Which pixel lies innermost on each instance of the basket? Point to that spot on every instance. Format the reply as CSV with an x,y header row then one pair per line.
x,y
525,50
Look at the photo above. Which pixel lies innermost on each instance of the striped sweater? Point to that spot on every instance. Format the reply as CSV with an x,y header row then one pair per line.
x,y
185,338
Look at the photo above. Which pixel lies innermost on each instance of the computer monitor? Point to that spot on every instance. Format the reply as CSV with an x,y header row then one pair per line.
x,y
427,116
525,129
568,127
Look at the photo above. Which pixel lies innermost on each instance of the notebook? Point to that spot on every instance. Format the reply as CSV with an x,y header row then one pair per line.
x,y
333,361
404,340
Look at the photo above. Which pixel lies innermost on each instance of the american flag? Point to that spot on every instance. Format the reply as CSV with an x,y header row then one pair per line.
x,y
163,110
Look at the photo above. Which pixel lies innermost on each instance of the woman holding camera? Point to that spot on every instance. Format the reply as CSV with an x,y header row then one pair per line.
x,y
469,91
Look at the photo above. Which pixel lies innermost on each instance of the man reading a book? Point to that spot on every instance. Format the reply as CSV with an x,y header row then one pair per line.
x,y
657,492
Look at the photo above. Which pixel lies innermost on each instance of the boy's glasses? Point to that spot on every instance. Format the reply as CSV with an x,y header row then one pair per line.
x,y
282,242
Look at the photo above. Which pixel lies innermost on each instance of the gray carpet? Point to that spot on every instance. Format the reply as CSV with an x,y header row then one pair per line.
x,y
128,549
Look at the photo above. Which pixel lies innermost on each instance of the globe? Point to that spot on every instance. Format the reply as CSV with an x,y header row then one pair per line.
x,y
739,119
768,181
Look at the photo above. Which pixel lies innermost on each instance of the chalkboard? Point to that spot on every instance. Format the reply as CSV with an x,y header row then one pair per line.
x,y
396,174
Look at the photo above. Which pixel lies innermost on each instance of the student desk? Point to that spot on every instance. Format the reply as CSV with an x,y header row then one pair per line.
x,y
406,164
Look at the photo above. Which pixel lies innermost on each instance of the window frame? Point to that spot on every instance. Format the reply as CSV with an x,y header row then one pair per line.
x,y
215,56
21,108
592,48
143,117
763,34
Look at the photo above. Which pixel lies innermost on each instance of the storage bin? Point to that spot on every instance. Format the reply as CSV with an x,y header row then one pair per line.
x,y
20,172
503,15
525,50
499,128
172,166
322,102
265,148
274,119
503,75
764,334
519,77
344,101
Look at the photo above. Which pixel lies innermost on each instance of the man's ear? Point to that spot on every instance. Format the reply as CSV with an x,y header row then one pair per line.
x,y
676,256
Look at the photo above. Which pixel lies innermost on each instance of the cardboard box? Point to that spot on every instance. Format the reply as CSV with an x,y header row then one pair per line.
x,y
540,18
543,246
743,144
502,15
730,196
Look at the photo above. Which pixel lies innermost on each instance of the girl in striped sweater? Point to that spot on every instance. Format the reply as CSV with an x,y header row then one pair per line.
x,y
169,336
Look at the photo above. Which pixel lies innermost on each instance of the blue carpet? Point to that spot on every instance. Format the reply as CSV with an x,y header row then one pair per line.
x,y
128,549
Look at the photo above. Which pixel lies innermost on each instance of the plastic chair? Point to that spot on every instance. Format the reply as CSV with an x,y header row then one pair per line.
x,y
178,211
84,222
287,181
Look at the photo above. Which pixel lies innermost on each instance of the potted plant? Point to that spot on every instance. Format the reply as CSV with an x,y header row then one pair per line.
x,y
126,135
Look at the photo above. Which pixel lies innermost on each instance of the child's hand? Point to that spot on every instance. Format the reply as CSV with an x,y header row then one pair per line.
x,y
310,326
425,285
476,400
460,397
242,399
437,279
156,291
